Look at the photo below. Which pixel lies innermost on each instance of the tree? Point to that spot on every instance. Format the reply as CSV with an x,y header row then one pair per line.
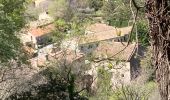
x,y
96,4
11,21
61,81
116,13
158,15
57,87
142,31
61,9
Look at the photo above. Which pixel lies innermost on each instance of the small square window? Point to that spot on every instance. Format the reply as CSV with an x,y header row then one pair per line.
x,y
122,75
90,46
97,44
81,47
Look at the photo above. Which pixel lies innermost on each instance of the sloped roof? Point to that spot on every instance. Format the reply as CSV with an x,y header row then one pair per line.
x,y
99,27
40,31
104,35
115,50
95,37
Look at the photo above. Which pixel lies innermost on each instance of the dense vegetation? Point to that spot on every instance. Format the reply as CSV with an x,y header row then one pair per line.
x,y
11,21
71,18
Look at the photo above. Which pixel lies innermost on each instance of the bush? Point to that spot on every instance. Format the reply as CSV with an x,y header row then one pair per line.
x,y
146,65
57,87
134,92
143,35
104,89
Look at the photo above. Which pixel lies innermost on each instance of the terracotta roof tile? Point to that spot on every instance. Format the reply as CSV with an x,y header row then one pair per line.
x,y
104,35
115,50
42,31
99,27
95,37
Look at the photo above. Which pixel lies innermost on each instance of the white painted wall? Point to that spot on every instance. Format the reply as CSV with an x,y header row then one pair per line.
x,y
25,38
32,38
45,16
28,37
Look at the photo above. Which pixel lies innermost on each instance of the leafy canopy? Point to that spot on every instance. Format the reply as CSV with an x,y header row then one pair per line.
x,y
11,21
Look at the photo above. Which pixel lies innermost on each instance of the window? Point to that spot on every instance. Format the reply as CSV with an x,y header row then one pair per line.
x,y
90,46
81,47
34,3
124,38
29,44
97,44
122,75
47,58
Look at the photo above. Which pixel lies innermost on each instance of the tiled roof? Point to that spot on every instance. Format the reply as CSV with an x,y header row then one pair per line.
x,y
99,27
42,31
115,50
95,37
104,35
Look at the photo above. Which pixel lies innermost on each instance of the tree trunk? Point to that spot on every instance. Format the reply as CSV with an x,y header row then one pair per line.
x,y
158,13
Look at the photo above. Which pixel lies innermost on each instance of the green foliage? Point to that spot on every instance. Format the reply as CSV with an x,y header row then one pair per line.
x,y
147,67
61,9
143,34
78,24
133,92
11,21
62,25
116,12
32,12
103,85
96,4
72,28
60,31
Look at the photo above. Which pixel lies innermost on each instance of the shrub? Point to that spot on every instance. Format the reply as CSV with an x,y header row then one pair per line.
x,y
133,92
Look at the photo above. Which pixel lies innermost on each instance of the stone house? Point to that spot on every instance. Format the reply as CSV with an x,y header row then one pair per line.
x,y
101,32
94,34
118,58
37,37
